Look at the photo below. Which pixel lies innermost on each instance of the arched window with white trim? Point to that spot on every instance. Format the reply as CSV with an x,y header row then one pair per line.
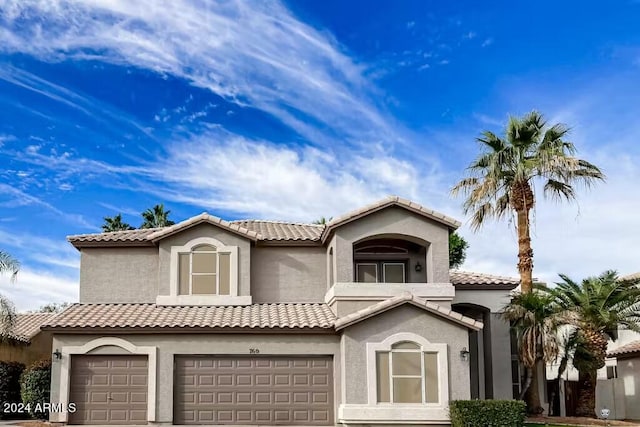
x,y
204,271
408,369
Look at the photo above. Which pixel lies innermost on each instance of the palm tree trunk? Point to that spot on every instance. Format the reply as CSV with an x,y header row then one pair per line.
x,y
532,394
586,394
525,252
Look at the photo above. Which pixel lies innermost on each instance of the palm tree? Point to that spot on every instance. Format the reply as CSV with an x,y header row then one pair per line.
x,y
322,220
503,176
533,317
596,308
156,217
8,264
114,223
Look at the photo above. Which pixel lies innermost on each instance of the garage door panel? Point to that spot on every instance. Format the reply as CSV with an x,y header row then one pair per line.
x,y
109,389
253,390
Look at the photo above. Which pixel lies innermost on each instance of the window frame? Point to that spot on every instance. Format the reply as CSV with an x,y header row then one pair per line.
x,y
440,349
380,268
174,271
191,273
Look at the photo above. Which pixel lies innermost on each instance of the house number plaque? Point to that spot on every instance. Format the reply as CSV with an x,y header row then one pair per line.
x,y
254,351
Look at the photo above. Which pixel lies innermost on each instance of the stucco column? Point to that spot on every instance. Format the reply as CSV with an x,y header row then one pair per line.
x,y
501,355
165,387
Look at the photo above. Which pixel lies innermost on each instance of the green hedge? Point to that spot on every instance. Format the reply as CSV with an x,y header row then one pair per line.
x,y
9,387
34,386
487,413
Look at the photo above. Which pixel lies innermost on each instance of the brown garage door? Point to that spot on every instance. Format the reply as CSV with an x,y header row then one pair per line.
x,y
109,389
253,390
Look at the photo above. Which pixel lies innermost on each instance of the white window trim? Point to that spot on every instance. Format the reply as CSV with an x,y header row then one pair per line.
x,y
174,298
426,347
400,413
64,386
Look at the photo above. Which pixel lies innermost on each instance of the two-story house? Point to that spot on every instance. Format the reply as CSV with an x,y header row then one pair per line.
x,y
355,322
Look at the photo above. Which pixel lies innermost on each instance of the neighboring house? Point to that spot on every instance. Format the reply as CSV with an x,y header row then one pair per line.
x,y
356,322
618,385
26,343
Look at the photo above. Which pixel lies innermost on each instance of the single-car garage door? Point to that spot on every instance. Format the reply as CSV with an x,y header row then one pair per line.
x,y
253,390
109,389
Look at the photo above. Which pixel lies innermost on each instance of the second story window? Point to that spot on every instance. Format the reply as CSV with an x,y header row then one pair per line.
x,y
204,271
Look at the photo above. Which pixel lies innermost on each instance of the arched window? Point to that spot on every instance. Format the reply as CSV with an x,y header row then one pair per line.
x,y
407,374
204,271
408,370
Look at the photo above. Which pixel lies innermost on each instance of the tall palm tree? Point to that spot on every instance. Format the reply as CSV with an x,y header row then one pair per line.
x,y
503,176
597,307
8,264
115,223
156,217
536,323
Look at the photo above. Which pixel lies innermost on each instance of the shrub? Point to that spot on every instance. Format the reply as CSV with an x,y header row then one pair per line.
x,y
487,413
9,386
34,386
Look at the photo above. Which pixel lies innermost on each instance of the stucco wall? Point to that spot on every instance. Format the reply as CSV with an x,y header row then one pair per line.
x,y
399,223
494,300
118,274
402,319
288,274
500,358
39,349
206,230
221,344
629,373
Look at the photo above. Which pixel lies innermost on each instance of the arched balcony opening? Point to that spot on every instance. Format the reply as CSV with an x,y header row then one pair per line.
x,y
391,259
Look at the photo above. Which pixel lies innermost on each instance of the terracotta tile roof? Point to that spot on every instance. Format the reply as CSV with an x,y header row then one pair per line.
x,y
626,350
116,316
634,276
128,236
27,325
279,230
385,203
406,298
463,279
203,218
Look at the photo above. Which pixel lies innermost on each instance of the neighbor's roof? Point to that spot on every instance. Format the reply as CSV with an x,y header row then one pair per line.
x,y
626,350
133,315
407,298
633,276
268,231
470,280
27,325
385,203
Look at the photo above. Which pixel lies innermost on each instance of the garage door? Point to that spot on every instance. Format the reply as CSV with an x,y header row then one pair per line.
x,y
109,389
253,390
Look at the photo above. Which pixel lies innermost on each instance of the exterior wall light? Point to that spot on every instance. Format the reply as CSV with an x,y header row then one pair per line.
x,y
464,354
57,354
418,267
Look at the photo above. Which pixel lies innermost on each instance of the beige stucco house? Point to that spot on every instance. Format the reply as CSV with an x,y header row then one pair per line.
x,y
26,343
357,322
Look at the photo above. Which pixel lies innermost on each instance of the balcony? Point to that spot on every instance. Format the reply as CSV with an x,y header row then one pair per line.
x,y
358,291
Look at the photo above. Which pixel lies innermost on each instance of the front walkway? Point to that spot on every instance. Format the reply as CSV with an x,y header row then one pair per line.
x,y
580,421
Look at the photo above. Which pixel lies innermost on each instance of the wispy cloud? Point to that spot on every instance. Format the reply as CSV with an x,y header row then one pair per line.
x,y
487,42
14,197
34,288
256,54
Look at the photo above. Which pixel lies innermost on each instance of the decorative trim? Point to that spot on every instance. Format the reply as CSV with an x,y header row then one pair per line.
x,y
203,300
65,371
392,414
382,291
175,299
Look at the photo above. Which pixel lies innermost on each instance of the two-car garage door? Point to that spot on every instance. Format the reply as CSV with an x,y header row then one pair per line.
x,y
253,390
275,390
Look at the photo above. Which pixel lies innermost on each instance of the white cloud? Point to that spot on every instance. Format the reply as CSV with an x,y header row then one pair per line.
x,y
252,53
222,171
487,42
34,288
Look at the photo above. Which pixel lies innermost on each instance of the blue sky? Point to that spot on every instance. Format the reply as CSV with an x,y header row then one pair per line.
x,y
304,109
